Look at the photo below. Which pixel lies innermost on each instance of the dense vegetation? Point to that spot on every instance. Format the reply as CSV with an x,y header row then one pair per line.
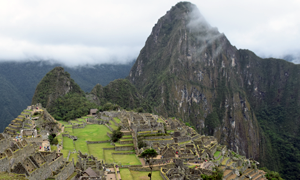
x,y
56,83
283,152
271,175
116,135
70,106
18,81
119,91
217,175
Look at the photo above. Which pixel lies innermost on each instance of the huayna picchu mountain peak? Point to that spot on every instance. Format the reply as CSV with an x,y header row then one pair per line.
x,y
189,70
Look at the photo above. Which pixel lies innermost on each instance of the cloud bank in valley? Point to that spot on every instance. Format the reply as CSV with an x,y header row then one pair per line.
x,y
77,32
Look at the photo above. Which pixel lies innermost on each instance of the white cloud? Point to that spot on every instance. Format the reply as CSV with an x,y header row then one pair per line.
x,y
79,32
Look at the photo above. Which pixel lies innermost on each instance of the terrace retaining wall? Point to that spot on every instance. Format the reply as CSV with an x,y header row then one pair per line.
x,y
123,148
97,142
65,172
155,168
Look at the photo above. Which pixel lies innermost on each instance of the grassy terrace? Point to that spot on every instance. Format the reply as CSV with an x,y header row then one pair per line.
x,y
127,136
68,144
117,120
65,123
129,159
126,139
185,142
73,156
68,130
160,120
118,144
90,133
224,161
125,159
53,148
112,125
97,149
217,154
126,174
59,137
160,139
81,120
84,117
76,122
170,131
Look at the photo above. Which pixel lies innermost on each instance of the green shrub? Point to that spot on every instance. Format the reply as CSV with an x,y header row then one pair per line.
x,y
116,135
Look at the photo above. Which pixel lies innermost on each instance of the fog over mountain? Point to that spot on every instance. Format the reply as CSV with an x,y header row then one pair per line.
x,y
79,32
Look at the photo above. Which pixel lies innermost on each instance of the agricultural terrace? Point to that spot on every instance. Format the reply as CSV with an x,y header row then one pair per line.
x,y
94,132
89,133
126,174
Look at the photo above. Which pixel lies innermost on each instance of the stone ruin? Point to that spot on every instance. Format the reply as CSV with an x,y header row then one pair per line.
x,y
23,158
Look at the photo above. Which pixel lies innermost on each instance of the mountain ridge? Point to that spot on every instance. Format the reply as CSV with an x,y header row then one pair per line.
x,y
191,71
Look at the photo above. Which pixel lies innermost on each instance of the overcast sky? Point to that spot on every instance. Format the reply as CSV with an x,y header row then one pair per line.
x,y
95,31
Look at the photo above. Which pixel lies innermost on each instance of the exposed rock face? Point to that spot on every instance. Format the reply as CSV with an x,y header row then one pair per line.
x,y
190,70
56,83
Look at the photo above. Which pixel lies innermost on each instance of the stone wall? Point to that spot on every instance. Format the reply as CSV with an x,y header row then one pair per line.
x,y
155,168
21,154
4,164
4,144
109,127
158,137
124,148
111,113
94,121
41,173
182,139
126,133
161,141
49,156
163,161
78,126
38,139
206,171
109,134
126,142
124,153
97,142
163,175
105,118
65,172
54,165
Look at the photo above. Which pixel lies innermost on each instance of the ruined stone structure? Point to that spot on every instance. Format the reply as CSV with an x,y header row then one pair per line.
x,y
22,158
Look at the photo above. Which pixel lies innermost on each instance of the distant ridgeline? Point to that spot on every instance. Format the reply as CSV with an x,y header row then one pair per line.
x,y
18,81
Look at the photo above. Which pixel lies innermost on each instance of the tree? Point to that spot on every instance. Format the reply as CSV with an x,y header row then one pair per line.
x,y
52,139
149,154
117,134
216,175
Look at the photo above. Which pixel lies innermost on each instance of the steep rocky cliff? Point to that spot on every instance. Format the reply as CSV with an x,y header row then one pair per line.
x,y
56,83
189,70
